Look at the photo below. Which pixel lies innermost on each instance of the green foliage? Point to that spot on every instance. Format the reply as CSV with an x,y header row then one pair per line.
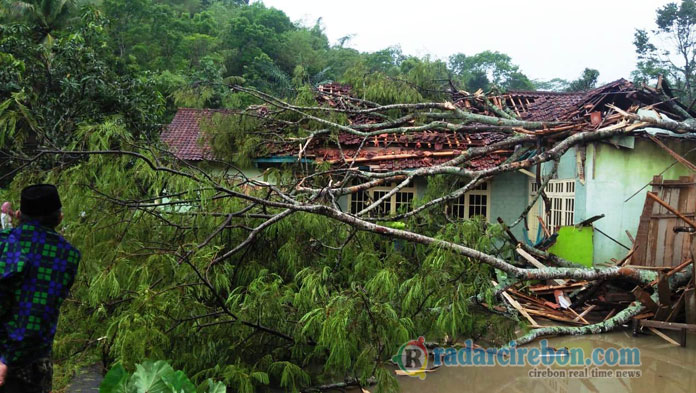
x,y
555,84
155,377
346,309
676,61
44,15
50,89
307,301
587,81
488,69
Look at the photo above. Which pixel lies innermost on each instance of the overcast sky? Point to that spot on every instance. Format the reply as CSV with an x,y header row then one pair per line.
x,y
546,38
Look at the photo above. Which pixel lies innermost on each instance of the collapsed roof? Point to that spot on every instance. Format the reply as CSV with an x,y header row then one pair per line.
x,y
389,151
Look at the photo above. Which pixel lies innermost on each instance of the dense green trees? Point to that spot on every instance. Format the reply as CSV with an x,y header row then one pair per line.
x,y
675,25
487,69
44,16
587,80
53,91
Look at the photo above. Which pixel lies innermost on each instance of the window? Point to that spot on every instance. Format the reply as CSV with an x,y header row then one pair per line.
x,y
476,202
358,201
384,208
400,202
561,194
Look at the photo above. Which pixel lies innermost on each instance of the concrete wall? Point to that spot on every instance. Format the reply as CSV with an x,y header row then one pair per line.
x,y
613,175
509,197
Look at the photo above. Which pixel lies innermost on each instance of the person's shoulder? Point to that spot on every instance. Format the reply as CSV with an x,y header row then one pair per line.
x,y
72,253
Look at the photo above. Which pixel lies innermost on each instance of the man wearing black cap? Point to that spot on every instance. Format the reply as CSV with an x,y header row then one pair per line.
x,y
37,269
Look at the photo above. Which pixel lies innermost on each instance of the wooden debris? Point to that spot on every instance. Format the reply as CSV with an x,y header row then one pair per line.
x,y
539,289
671,209
599,300
630,237
644,298
543,226
535,263
587,310
517,306
663,336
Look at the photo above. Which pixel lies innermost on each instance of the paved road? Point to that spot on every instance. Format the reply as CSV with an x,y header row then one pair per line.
x,y
87,381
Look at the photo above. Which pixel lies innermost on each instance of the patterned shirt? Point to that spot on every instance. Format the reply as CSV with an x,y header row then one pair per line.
x,y
37,269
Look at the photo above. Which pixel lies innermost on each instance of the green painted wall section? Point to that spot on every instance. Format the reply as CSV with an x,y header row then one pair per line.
x,y
509,197
613,175
575,245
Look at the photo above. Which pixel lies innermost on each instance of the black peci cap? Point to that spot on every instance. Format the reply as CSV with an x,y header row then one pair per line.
x,y
40,200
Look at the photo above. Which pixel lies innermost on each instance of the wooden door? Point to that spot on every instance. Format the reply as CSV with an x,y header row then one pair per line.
x,y
656,242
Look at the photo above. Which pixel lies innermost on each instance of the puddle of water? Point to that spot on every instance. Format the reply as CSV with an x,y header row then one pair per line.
x,y
664,368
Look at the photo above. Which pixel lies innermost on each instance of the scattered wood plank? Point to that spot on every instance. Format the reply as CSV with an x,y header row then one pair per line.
x,y
587,310
675,270
664,336
541,289
644,315
578,317
553,316
631,238
663,292
644,298
536,263
668,325
659,268
517,306
611,314
543,226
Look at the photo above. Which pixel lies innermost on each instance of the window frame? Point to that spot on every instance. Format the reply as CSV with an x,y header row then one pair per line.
x,y
391,202
561,193
466,205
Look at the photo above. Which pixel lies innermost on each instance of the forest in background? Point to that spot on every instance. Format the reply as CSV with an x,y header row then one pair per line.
x,y
296,308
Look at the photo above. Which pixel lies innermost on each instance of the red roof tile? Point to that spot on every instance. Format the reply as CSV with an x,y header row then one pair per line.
x,y
183,136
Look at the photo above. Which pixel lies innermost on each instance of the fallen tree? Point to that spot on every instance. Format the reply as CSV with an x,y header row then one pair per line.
x,y
272,276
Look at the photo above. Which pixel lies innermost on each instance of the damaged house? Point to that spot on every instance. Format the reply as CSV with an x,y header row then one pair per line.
x,y
601,185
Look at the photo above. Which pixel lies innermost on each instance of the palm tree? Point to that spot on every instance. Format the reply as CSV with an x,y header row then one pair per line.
x,y
45,15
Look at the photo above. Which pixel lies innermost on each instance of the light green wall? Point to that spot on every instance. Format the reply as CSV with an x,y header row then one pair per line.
x,y
509,197
613,175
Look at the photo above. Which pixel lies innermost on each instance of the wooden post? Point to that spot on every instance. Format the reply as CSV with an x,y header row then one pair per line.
x,y
636,327
690,306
